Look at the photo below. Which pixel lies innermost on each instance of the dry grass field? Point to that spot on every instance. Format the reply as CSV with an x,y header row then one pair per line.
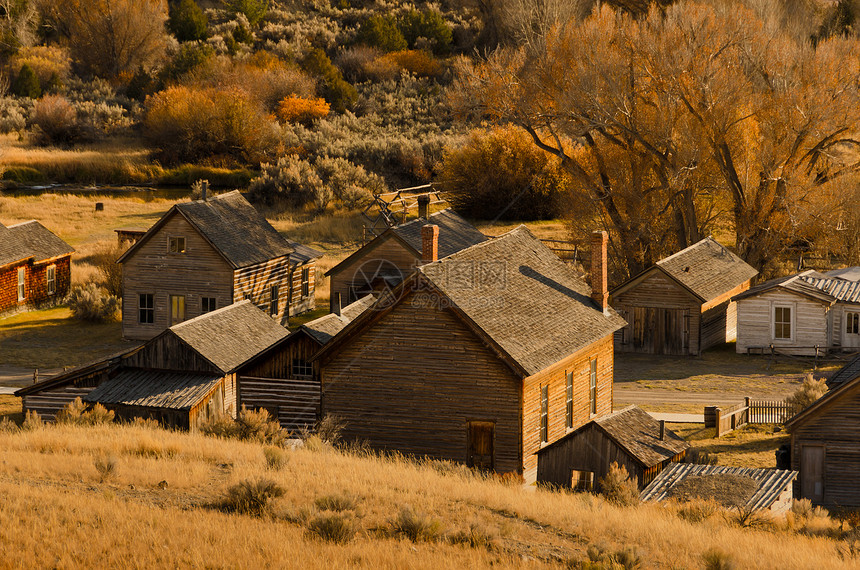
x,y
156,505
751,446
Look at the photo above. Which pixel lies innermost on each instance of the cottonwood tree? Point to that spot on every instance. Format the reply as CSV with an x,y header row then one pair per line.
x,y
669,120
17,24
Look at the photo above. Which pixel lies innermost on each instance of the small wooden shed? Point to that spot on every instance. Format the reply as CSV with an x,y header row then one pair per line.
x,y
682,305
766,489
629,437
825,447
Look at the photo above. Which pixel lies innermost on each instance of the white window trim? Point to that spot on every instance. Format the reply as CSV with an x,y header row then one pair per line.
x,y
773,306
845,312
21,284
51,285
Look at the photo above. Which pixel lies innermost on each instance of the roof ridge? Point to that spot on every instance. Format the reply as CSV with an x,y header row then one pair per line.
x,y
25,223
488,241
689,247
209,314
209,198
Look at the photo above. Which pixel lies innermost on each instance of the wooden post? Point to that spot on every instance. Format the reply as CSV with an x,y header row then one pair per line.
x,y
718,413
35,375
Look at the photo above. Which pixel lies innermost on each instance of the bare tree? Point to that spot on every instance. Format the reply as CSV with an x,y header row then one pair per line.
x,y
17,24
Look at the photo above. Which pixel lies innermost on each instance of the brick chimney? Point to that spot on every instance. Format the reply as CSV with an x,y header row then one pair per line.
x,y
429,243
424,206
599,269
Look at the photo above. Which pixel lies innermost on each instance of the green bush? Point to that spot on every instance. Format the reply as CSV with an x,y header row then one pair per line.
x,y
430,26
291,182
26,83
89,302
340,94
254,10
187,21
24,175
381,32
189,57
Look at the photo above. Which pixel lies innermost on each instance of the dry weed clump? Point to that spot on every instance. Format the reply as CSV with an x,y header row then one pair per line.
x,y
746,516
716,559
698,510
417,527
90,302
8,426
337,503
106,466
602,557
32,421
333,527
276,458
76,413
618,488
249,425
251,497
477,535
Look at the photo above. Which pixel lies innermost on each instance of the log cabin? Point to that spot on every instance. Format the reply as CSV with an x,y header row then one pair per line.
x,y
481,357
182,377
210,253
683,304
629,437
803,314
35,267
767,489
284,379
386,260
825,447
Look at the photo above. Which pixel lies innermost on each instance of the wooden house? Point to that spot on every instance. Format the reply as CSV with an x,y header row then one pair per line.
x,y
629,437
825,447
803,314
481,357
682,305
35,267
390,257
183,376
207,254
284,379
756,489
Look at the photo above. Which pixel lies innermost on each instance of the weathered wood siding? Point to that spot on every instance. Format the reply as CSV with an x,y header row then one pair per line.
x,y
302,303
755,323
837,429
387,254
36,294
256,281
168,352
555,378
414,380
720,318
199,272
49,401
657,291
277,362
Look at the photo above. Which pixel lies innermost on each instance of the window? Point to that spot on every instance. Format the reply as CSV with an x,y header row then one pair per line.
x,y
207,304
306,282
146,309
782,322
582,480
273,301
592,392
544,413
21,291
302,367
569,407
852,323
51,279
176,244
177,309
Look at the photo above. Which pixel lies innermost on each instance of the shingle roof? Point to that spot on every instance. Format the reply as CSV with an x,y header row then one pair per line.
x,y
233,226
518,292
636,431
230,336
154,389
707,269
324,328
30,240
455,233
302,253
771,482
848,372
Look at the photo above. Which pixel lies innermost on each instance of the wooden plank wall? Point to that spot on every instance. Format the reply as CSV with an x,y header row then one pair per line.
x,y
278,362
48,402
293,402
555,378
255,283
755,323
297,303
657,291
199,272
388,249
414,380
168,353
837,428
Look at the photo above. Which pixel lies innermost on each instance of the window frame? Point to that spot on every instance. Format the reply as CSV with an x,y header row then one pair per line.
x,y
177,240
297,365
568,399
306,282
792,308
174,319
274,300
582,481
852,317
544,413
592,385
22,284
208,304
150,310
51,279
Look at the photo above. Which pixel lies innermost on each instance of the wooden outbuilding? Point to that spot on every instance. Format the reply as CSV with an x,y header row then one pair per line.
x,y
805,314
756,489
825,447
481,357
629,437
207,254
35,267
284,379
849,372
683,304
389,258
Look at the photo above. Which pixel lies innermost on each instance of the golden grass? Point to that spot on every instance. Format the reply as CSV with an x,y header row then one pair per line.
x,y
751,446
51,338
59,513
10,407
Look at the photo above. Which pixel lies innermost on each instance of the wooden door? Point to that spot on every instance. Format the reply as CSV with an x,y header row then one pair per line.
x,y
812,472
657,330
480,445
851,329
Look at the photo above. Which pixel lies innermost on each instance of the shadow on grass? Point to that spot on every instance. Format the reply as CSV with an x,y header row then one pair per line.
x,y
10,407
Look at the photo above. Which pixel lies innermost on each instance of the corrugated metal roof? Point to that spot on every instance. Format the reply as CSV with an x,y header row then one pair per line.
x,y
771,482
841,290
30,240
154,389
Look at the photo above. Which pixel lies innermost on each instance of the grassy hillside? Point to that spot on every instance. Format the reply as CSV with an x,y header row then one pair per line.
x,y
160,508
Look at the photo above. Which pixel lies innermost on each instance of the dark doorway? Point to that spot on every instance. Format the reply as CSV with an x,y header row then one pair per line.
x,y
480,445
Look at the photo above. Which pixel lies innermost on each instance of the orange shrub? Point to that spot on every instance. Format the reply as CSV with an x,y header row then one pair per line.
x,y
417,61
295,109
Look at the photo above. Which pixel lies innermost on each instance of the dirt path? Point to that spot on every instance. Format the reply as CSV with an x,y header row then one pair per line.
x,y
17,377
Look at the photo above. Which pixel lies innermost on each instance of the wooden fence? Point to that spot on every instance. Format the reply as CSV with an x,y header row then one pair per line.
x,y
751,411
